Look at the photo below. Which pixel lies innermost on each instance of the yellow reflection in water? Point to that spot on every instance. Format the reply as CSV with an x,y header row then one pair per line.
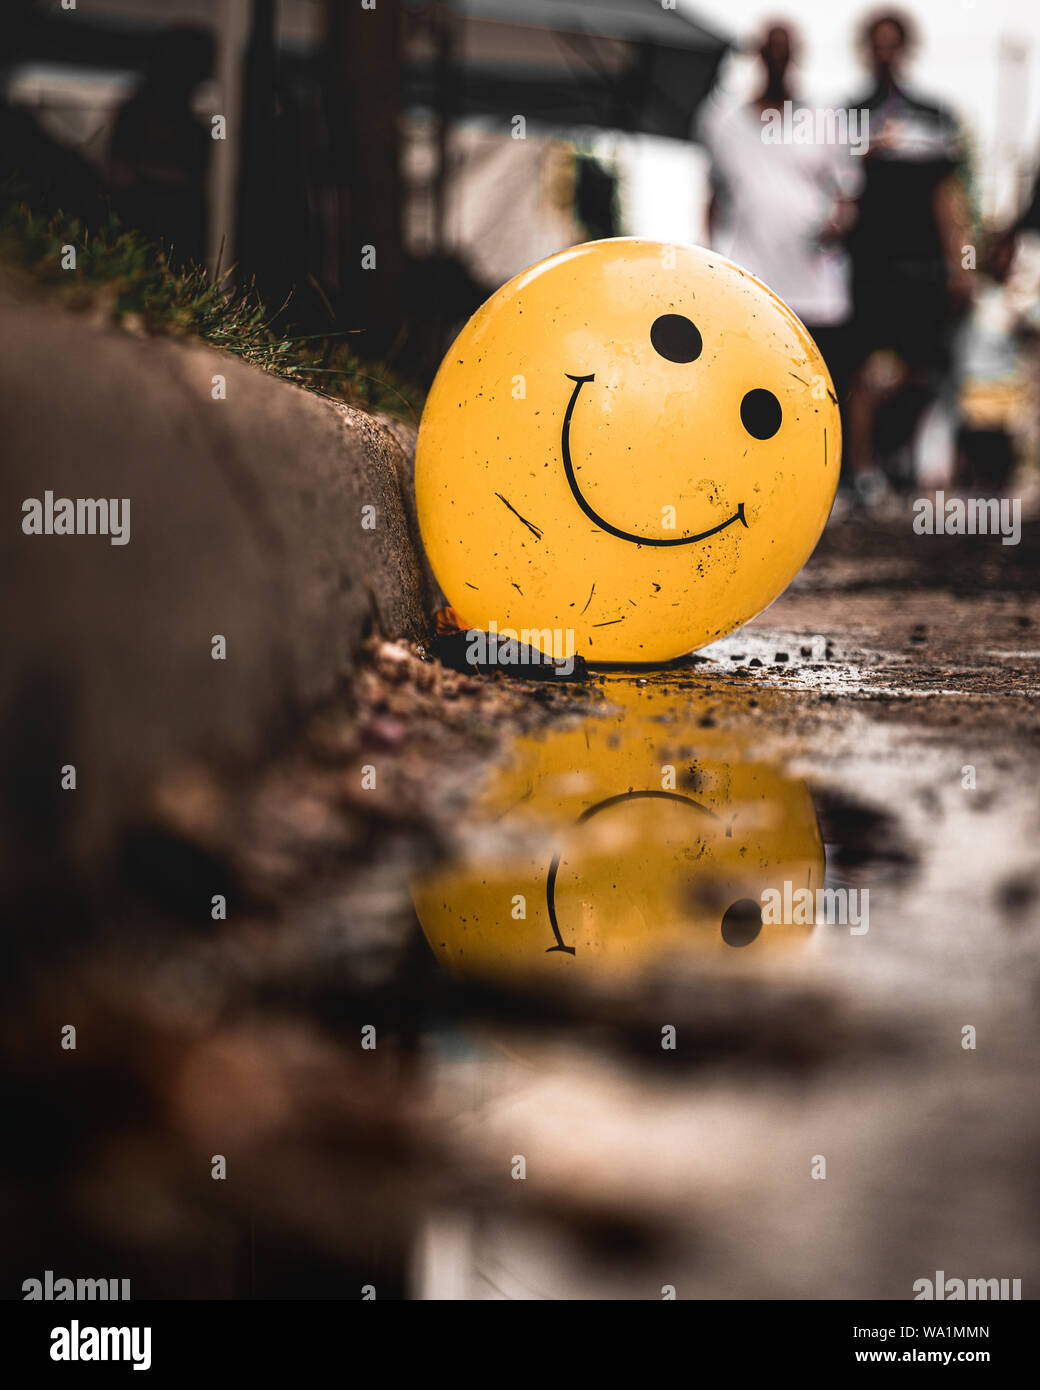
x,y
636,838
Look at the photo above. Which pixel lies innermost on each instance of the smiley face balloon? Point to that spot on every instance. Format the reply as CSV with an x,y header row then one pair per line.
x,y
632,442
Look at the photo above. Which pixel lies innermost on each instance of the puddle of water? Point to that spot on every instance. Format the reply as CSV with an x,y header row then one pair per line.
x,y
619,864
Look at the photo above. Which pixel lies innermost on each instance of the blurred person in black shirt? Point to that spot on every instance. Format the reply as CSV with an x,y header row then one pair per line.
x,y
908,284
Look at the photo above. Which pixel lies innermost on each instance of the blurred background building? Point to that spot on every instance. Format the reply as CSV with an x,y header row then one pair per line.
x,y
451,137
982,59
380,171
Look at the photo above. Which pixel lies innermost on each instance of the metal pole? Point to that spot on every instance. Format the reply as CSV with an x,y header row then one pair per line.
x,y
231,28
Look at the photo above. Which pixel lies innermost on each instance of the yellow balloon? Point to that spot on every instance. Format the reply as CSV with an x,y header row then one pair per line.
x,y
633,443
616,847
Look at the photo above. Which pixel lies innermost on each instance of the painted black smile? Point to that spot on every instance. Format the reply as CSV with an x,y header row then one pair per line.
x,y
593,515
554,867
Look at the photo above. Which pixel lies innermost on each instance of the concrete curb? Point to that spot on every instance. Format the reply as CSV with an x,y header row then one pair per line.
x,y
246,522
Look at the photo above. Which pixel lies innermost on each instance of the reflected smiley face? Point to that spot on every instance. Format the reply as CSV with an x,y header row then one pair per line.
x,y
593,869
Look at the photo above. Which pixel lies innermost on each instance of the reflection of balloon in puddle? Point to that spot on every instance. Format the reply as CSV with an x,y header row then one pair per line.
x,y
619,845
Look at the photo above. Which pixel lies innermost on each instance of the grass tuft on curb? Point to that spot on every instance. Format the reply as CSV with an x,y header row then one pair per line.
x,y
129,280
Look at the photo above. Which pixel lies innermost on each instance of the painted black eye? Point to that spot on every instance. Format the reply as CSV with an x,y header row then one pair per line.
x,y
760,414
742,922
676,338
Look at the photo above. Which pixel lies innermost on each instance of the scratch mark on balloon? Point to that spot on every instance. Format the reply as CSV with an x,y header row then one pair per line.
x,y
530,526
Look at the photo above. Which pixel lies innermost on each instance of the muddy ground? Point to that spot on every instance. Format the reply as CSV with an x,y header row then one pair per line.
x,y
899,677
890,698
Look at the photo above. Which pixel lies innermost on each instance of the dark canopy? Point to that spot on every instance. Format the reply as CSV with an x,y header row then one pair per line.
x,y
622,64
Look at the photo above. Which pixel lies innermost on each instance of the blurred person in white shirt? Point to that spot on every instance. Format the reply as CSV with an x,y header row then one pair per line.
x,y
780,208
